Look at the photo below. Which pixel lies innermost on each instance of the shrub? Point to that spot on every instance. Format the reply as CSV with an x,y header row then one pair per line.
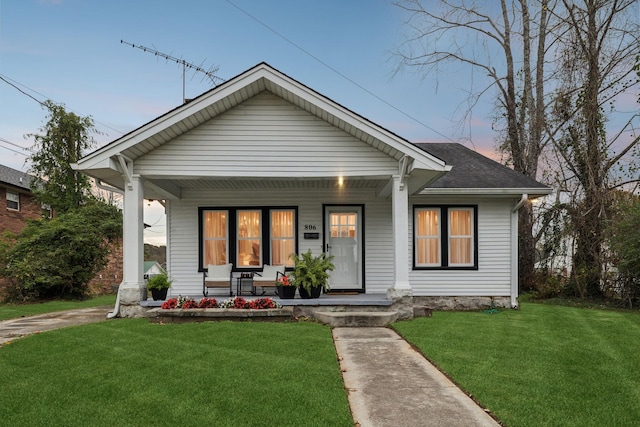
x,y
57,258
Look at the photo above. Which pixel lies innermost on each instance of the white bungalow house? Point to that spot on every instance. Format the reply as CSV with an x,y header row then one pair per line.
x,y
262,166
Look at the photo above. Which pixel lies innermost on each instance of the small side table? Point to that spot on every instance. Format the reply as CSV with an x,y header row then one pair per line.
x,y
244,283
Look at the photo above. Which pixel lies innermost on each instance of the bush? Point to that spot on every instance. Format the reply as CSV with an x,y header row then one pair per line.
x,y
57,258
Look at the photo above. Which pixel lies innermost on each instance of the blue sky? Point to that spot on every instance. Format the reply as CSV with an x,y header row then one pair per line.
x,y
70,51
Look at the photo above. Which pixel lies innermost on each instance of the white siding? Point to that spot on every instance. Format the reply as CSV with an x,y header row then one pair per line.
x,y
264,137
493,277
183,229
494,236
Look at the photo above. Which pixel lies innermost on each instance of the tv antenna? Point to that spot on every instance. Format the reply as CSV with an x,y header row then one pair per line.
x,y
210,73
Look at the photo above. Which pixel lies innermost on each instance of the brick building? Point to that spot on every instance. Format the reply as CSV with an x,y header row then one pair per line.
x,y
17,202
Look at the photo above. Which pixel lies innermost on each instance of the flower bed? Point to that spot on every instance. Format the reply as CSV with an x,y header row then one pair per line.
x,y
182,310
235,302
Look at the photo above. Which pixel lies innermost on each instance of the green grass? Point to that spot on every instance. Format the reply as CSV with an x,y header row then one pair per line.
x,y
14,311
129,372
542,365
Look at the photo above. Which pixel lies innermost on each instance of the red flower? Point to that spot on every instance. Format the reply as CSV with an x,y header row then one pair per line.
x,y
190,304
239,302
208,303
170,303
284,281
262,303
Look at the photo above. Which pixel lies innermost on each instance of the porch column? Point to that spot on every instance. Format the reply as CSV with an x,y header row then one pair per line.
x,y
133,290
400,216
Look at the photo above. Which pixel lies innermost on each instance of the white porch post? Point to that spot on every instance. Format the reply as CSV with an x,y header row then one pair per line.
x,y
132,289
400,216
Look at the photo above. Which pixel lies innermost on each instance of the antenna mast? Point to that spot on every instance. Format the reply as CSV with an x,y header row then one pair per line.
x,y
210,73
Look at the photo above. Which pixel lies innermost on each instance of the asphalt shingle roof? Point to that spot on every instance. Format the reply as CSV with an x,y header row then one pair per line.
x,y
15,178
473,170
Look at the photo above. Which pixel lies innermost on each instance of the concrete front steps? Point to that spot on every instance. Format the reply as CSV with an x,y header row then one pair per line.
x,y
356,319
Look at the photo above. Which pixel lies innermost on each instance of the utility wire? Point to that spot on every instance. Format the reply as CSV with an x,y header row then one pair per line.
x,y
6,80
15,151
306,52
13,83
15,145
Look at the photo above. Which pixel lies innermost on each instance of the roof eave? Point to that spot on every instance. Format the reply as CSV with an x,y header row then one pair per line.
x,y
532,193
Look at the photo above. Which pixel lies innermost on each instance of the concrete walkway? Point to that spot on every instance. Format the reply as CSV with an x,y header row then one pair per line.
x,y
388,383
16,328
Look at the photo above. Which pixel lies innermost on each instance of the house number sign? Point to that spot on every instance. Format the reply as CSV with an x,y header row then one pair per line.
x,y
311,227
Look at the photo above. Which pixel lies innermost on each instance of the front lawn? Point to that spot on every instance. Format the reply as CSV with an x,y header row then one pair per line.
x,y
542,365
14,311
129,372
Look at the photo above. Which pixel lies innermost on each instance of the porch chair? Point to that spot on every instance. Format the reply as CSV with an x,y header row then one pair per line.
x,y
217,276
268,277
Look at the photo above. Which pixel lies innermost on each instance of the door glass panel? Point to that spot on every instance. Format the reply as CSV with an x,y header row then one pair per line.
x,y
344,245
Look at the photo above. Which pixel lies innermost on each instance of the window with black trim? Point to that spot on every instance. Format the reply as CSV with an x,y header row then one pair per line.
x,y
445,237
247,237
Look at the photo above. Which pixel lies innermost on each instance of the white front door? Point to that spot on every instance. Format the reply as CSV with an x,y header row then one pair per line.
x,y
343,231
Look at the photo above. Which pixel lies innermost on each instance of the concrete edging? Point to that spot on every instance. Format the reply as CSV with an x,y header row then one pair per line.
x,y
179,315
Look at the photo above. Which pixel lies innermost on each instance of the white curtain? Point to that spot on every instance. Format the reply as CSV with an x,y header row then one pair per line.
x,y
215,237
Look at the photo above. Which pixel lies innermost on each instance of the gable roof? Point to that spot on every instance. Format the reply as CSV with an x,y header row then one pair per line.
x,y
15,178
106,162
472,172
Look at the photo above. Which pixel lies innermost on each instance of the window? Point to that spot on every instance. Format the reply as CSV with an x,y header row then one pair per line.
x,y
13,201
248,238
283,230
445,237
215,241
427,237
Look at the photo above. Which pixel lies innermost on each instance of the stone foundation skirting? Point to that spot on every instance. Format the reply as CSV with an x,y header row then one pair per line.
x,y
461,303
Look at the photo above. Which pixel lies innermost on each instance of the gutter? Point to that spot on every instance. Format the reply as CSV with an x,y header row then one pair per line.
x,y
101,186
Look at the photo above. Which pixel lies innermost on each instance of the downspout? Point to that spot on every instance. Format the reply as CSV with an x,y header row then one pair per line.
x,y
116,309
521,203
514,244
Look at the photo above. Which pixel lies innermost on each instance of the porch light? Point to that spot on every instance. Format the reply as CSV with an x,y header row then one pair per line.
x,y
340,181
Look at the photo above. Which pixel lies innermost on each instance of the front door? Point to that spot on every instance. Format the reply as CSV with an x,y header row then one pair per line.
x,y
344,240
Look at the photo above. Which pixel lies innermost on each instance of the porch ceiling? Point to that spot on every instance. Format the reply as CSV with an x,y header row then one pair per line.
x,y
153,189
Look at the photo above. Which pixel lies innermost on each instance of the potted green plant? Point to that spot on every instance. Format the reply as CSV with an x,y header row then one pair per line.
x,y
311,273
159,284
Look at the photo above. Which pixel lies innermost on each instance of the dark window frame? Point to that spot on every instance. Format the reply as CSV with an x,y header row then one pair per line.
x,y
444,237
232,237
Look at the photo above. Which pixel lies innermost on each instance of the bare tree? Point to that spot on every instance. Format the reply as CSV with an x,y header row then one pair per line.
x,y
597,59
510,45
